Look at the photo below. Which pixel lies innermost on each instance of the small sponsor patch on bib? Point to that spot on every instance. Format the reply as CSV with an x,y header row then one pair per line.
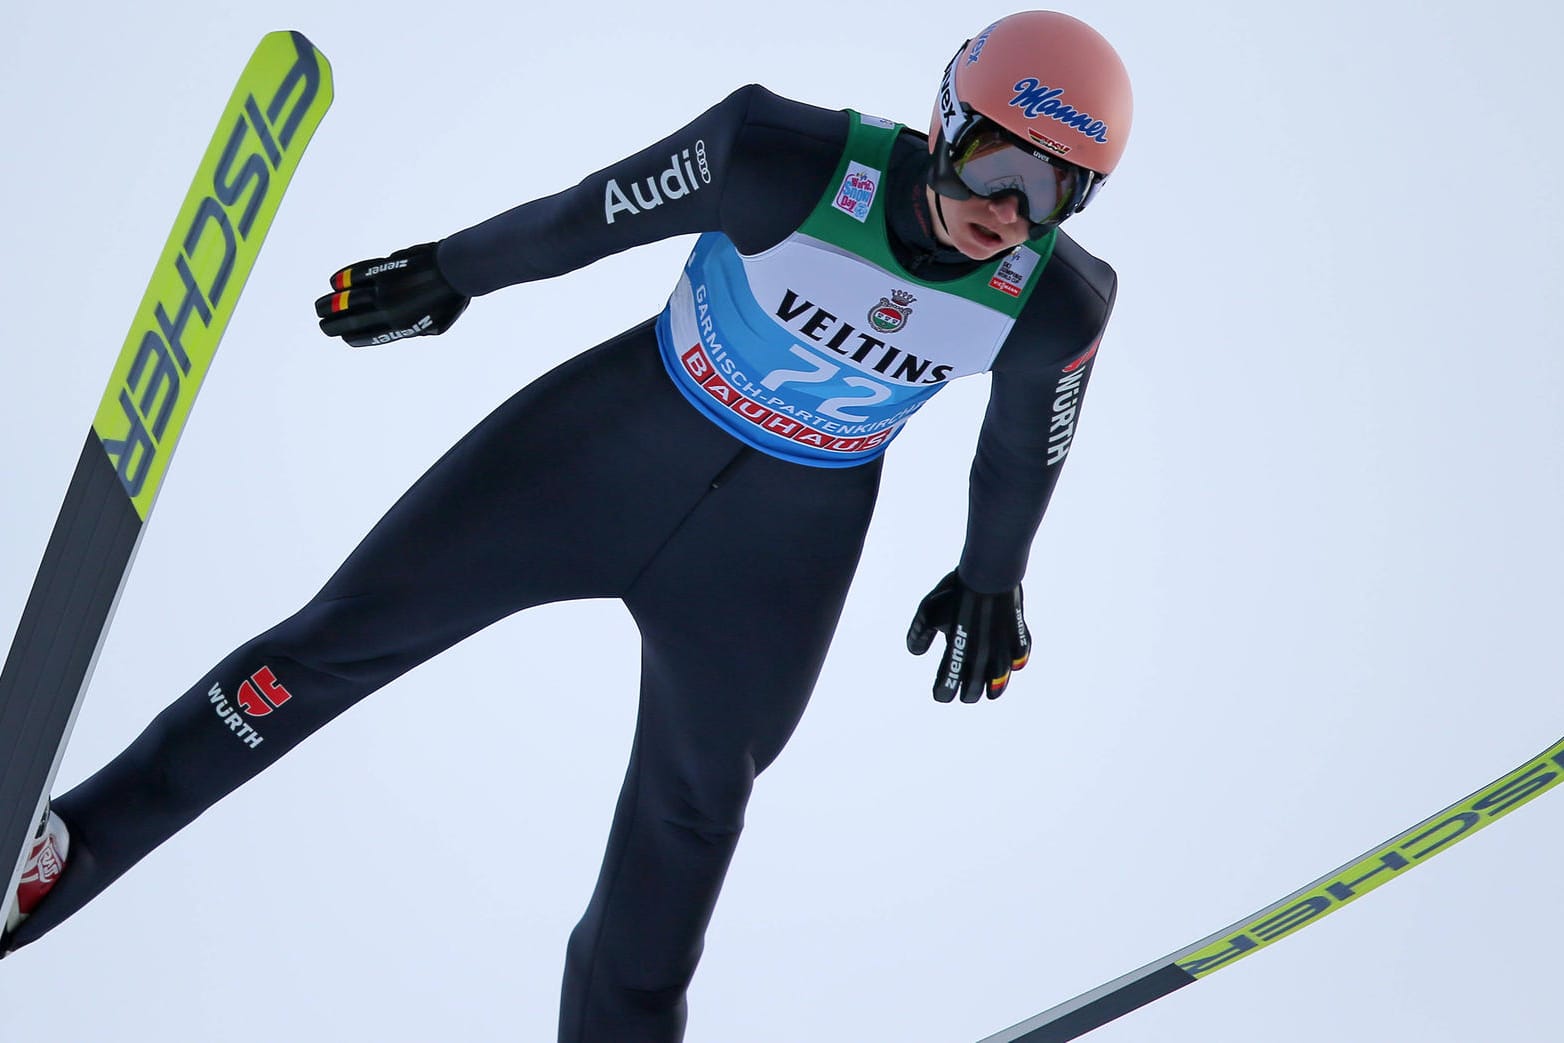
x,y
856,194
1015,271
876,121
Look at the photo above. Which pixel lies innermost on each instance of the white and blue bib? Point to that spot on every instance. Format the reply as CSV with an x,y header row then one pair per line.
x,y
819,349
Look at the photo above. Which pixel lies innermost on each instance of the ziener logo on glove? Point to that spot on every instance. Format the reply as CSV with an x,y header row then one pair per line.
x,y
388,266
412,331
958,652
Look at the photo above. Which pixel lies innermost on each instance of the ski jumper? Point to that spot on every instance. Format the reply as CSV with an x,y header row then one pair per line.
x,y
739,434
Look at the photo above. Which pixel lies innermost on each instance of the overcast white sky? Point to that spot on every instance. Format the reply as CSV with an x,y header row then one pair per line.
x,y
1298,590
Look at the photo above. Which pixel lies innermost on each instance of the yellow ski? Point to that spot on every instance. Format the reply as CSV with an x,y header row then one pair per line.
x,y
278,102
1307,905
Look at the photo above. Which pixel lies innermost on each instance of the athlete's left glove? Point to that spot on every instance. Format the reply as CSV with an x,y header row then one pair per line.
x,y
985,638
389,298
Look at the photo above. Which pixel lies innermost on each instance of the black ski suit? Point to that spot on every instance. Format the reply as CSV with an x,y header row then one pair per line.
x,y
600,480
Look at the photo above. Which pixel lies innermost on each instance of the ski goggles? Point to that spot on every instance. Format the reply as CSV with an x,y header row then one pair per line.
x,y
990,161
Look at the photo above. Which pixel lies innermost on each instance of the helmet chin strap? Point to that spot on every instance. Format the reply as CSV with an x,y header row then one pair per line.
x,y
941,177
939,210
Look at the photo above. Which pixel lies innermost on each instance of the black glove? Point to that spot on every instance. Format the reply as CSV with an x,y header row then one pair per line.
x,y
389,298
985,638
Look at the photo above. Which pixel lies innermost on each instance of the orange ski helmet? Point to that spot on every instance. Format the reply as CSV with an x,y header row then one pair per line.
x,y
1049,85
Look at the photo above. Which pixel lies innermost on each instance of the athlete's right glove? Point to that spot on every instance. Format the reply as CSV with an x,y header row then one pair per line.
x,y
389,298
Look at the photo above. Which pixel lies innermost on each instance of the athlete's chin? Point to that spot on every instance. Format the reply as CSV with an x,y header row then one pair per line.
x,y
977,254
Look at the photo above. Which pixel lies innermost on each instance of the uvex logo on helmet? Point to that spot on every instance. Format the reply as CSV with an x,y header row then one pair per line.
x,y
975,50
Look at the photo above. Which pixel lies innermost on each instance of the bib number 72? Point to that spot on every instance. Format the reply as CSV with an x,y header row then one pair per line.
x,y
822,371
